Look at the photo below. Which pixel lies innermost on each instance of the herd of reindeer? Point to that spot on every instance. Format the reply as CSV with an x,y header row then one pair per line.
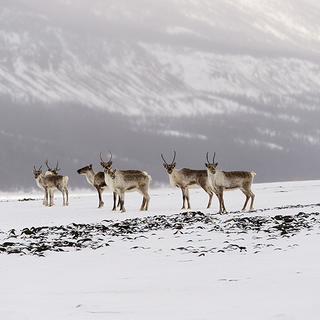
x,y
119,182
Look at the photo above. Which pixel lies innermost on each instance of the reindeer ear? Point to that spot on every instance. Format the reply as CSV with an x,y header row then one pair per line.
x,y
206,164
216,163
174,164
90,166
165,166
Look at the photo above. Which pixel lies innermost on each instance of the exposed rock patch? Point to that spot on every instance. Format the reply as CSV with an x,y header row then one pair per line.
x,y
38,240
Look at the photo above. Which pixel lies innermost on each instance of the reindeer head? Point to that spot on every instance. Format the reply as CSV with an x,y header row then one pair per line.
x,y
106,165
211,166
36,172
112,173
55,170
85,169
169,167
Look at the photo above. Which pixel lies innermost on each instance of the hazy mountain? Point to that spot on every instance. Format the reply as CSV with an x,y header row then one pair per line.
x,y
147,77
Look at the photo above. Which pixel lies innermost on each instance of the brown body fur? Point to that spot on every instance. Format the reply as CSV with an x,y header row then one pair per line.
x,y
96,179
122,181
230,180
51,182
186,178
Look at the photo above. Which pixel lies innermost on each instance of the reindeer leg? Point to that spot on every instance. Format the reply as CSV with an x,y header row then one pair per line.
x,y
183,197
223,206
252,199
63,191
67,196
146,199
208,191
115,201
45,199
217,194
245,203
248,195
51,194
119,204
101,203
147,202
52,197
205,186
63,197
220,204
210,200
188,197
122,196
143,204
221,201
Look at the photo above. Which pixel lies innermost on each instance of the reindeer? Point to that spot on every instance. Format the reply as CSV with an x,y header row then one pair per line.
x,y
49,182
37,173
96,179
52,171
187,178
47,173
122,181
232,180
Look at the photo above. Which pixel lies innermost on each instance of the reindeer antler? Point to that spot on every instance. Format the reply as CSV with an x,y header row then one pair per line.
x,y
174,157
214,155
48,165
163,159
207,156
109,162
57,169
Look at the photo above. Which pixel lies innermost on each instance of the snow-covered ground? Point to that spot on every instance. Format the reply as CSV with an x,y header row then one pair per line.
x,y
195,271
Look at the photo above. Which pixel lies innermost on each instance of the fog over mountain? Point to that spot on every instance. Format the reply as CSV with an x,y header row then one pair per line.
x,y
141,78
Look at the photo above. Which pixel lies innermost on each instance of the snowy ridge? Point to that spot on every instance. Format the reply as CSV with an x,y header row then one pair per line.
x,y
170,76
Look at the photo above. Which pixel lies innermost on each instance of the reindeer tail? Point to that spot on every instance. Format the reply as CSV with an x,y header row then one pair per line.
x,y
148,175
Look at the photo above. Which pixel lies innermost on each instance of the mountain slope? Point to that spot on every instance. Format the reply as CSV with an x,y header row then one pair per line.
x,y
81,77
184,60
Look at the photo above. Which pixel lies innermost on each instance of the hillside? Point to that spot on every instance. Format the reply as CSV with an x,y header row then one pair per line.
x,y
82,77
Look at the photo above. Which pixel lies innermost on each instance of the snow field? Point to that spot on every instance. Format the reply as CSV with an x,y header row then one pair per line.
x,y
172,274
